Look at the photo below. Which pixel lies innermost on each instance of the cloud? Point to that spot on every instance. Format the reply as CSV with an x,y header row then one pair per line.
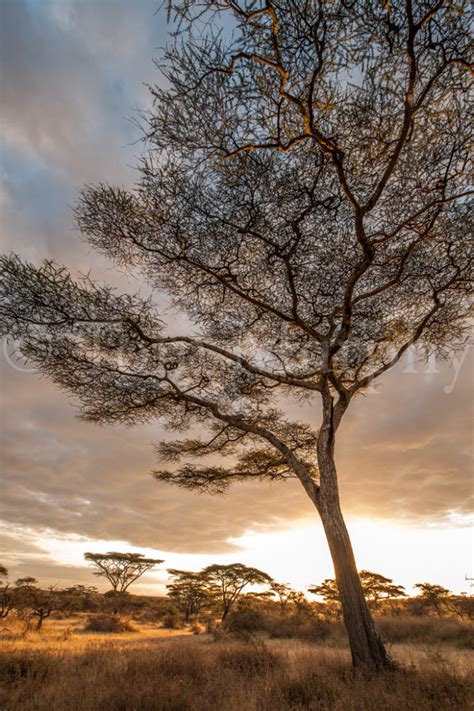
x,y
75,477
71,72
406,451
78,478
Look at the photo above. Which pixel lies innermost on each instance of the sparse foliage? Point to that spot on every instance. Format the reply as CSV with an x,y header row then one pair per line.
x,y
189,592
462,606
284,594
227,582
33,603
120,569
328,590
434,596
377,587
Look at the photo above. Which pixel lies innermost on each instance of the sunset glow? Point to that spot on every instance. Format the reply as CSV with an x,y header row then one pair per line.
x,y
298,554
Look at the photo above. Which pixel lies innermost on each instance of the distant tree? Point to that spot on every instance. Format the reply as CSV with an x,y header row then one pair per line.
x,y
434,596
80,597
304,198
189,592
301,603
284,594
6,598
328,590
31,602
79,589
377,587
462,605
121,569
226,583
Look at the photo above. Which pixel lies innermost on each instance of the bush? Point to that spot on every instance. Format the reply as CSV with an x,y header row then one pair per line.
x,y
198,628
172,620
104,622
428,630
299,627
248,620
248,660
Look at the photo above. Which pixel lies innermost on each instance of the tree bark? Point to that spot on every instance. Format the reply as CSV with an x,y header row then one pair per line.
x,y
366,644
367,648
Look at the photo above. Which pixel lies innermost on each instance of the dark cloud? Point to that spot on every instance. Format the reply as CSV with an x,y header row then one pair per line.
x,y
407,450
78,478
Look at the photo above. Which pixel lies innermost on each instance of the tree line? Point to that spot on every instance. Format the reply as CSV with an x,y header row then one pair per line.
x,y
217,591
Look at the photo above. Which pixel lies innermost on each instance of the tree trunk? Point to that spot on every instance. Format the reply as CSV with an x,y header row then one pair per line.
x,y
364,639
366,644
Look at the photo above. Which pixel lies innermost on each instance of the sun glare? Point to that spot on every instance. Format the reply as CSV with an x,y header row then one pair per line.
x,y
408,554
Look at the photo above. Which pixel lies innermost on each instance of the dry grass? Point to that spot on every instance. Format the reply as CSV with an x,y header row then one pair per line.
x,y
69,636
152,669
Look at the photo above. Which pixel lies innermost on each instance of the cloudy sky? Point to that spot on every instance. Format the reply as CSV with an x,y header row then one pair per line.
x,y
72,74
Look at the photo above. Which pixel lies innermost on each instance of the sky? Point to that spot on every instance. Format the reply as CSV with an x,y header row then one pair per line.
x,y
73,73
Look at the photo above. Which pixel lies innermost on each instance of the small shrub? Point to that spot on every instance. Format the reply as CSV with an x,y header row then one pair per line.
x,y
198,628
248,660
248,620
300,692
172,620
299,627
104,622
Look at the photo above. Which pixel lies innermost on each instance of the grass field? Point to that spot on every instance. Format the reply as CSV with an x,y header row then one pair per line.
x,y
66,669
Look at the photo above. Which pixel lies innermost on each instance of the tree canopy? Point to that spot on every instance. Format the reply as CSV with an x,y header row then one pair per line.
x,y
189,591
376,587
121,569
228,582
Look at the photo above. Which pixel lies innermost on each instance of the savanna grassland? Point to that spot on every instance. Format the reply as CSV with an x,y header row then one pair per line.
x,y
64,667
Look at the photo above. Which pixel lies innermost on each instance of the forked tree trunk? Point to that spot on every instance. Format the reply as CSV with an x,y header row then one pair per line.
x,y
366,644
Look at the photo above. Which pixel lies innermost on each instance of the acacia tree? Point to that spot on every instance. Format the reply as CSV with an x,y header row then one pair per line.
x,y
227,582
31,601
120,569
6,598
304,200
375,587
80,598
284,593
189,591
328,590
434,596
